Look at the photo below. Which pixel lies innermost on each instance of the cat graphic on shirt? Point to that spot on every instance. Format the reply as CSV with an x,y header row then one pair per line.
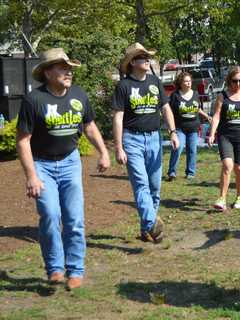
x,y
52,111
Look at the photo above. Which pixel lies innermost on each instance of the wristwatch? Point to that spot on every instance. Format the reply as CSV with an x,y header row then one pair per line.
x,y
172,131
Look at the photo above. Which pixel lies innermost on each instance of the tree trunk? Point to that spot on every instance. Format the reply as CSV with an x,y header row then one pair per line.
x,y
141,22
27,30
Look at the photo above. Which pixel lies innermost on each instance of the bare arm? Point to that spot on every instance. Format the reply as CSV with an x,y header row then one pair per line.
x,y
169,118
120,154
215,119
34,185
205,115
94,136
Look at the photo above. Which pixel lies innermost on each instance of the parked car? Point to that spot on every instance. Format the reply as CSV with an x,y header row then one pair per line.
x,y
171,65
207,82
187,67
168,78
207,63
168,82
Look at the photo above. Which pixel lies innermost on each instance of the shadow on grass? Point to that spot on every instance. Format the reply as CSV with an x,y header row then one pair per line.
x,y
181,294
104,237
184,204
125,203
113,176
35,285
106,246
29,234
216,236
211,184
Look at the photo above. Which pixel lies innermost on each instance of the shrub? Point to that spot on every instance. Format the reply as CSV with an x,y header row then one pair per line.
x,y
84,146
8,138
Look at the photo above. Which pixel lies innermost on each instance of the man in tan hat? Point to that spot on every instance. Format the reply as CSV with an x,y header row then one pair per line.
x,y
51,120
137,102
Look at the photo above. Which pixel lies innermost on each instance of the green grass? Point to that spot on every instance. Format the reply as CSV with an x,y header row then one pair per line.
x,y
193,274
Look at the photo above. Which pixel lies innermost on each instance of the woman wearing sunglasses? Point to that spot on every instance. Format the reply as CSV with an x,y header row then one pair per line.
x,y
226,121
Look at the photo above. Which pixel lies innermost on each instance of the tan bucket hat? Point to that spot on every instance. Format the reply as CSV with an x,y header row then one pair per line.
x,y
50,57
132,51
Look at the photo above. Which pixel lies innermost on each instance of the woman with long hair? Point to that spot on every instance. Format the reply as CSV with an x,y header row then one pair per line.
x,y
186,108
226,120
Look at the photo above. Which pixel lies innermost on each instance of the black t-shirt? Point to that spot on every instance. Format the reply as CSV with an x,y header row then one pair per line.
x,y
186,111
141,102
229,124
55,123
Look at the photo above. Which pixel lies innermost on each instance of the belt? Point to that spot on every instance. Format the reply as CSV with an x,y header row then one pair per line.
x,y
51,157
141,132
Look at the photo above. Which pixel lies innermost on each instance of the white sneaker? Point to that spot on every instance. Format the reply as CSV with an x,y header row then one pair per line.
x,y
236,204
220,204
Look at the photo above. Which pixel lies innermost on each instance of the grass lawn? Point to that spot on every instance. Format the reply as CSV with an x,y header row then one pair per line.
x,y
192,274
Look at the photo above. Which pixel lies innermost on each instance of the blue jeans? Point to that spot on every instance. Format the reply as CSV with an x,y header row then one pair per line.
x,y
189,140
144,164
60,207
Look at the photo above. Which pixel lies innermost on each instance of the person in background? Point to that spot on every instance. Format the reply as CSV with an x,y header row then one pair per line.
x,y
137,101
186,107
51,120
226,121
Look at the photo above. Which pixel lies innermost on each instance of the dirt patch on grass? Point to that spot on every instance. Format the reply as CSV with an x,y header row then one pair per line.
x,y
108,198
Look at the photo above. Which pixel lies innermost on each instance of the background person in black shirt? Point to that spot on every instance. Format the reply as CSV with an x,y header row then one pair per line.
x,y
226,120
186,108
137,102
50,123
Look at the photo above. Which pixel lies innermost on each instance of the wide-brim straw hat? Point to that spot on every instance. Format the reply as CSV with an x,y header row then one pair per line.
x,y
50,57
133,51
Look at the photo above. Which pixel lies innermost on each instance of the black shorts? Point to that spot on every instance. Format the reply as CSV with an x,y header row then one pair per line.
x,y
229,149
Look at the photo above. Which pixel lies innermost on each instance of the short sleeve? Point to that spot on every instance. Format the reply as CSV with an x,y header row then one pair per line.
x,y
119,99
89,114
172,99
26,117
163,98
173,103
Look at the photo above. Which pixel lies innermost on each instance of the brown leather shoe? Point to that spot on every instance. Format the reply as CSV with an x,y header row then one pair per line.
x,y
74,282
155,235
56,277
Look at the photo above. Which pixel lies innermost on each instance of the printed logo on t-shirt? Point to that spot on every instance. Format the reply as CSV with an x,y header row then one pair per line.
x,y
76,104
188,112
61,125
142,105
153,89
233,115
52,111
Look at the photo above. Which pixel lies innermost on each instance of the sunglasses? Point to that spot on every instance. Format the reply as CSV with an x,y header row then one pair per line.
x,y
141,59
235,81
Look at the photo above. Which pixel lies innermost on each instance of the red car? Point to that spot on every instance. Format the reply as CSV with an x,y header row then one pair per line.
x,y
171,65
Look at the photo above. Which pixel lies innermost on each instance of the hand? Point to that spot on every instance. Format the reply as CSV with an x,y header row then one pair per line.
x,y
211,140
174,141
103,162
209,119
34,187
121,156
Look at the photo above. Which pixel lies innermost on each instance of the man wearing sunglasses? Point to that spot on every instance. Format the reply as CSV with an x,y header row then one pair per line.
x,y
137,102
